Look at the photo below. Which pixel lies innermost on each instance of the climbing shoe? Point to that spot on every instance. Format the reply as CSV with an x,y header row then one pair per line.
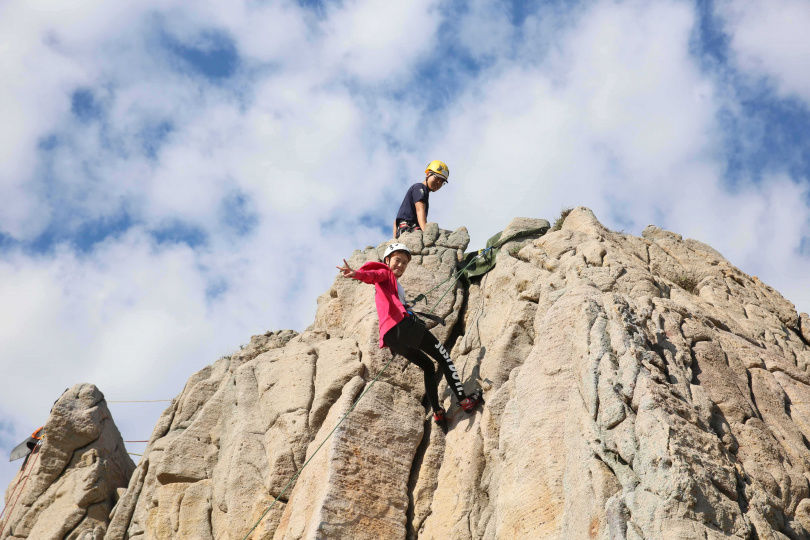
x,y
470,402
439,415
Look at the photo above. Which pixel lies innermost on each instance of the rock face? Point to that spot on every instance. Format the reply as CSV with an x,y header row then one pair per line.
x,y
635,388
67,487
242,427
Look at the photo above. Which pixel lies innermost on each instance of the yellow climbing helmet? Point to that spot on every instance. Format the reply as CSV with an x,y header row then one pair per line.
x,y
438,167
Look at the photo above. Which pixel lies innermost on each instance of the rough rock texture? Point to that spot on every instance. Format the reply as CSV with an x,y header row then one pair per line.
x,y
635,388
69,486
242,427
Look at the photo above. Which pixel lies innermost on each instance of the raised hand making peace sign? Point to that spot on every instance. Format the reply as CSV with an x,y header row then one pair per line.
x,y
346,270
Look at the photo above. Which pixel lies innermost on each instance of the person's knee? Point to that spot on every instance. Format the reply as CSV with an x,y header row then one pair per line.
x,y
429,368
416,357
425,363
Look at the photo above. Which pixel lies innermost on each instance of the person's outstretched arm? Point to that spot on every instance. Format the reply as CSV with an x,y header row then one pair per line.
x,y
366,276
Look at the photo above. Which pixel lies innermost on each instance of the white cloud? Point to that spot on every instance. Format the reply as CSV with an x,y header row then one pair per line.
x,y
118,313
133,316
770,38
377,40
34,80
617,116
617,112
759,228
49,51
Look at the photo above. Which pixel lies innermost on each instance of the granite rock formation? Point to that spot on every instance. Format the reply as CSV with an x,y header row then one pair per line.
x,y
636,387
69,485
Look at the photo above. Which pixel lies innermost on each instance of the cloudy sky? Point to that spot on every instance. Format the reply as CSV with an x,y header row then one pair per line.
x,y
175,176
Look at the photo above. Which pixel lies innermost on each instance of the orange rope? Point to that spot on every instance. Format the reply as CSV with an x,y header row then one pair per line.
x,y
25,468
25,481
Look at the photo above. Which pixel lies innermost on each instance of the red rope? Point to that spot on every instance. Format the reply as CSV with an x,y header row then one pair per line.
x,y
25,481
25,469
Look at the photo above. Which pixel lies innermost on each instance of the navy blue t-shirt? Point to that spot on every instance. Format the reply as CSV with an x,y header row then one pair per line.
x,y
407,210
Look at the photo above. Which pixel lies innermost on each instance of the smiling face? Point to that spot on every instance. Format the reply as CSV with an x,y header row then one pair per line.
x,y
398,262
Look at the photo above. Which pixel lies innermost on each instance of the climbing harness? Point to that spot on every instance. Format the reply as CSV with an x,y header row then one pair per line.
x,y
429,316
296,475
29,467
404,226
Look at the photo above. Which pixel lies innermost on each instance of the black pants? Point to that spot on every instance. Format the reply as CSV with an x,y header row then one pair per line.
x,y
410,338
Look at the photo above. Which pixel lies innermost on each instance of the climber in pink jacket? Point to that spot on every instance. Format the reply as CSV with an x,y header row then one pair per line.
x,y
402,332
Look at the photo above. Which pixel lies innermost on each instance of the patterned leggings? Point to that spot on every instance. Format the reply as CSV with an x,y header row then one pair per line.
x,y
409,338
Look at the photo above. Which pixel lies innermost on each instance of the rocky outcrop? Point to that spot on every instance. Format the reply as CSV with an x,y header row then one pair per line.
x,y
242,427
642,388
68,486
635,388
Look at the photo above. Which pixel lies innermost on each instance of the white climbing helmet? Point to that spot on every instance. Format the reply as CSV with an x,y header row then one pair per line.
x,y
396,247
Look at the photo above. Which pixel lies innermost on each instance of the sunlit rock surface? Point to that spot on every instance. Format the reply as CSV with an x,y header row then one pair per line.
x,y
635,388
68,486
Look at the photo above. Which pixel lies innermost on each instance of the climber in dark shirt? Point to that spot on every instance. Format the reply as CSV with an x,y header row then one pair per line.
x,y
413,211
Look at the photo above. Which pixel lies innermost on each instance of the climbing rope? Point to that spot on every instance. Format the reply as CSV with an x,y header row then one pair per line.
x,y
29,467
455,277
297,474
497,243
423,296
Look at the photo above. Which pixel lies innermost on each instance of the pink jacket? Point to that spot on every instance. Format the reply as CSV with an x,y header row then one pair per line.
x,y
390,310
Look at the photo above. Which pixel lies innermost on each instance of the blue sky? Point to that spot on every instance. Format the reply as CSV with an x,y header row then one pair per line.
x,y
177,177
